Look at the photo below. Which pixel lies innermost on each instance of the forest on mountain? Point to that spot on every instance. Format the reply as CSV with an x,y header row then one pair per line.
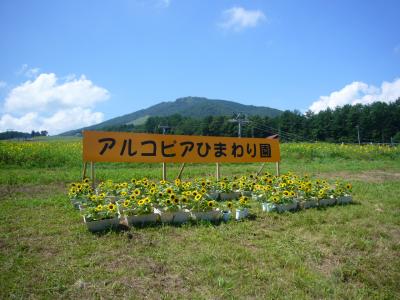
x,y
378,122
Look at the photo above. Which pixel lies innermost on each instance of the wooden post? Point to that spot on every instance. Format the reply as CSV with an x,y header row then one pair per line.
x,y
84,170
261,168
218,174
277,169
181,170
164,171
92,174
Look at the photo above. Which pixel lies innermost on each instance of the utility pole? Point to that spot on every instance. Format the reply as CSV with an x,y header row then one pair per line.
x,y
358,134
241,120
164,165
164,128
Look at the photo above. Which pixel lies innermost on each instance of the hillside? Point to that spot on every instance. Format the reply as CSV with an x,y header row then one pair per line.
x,y
196,107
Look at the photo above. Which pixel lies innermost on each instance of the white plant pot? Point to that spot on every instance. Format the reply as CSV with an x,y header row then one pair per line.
x,y
258,198
226,216
287,207
101,225
213,195
344,200
327,202
181,216
268,207
246,193
212,215
142,219
309,204
241,213
228,196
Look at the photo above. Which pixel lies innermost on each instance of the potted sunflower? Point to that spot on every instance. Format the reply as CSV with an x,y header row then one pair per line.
x,y
242,208
101,217
139,211
326,197
227,210
343,193
225,190
171,209
284,201
205,209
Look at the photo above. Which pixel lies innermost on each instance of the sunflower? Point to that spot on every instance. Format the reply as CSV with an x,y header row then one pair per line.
x,y
126,203
197,197
169,190
348,186
147,200
172,196
132,197
141,202
229,204
286,193
160,194
292,194
210,203
99,207
123,193
176,201
133,180
162,181
86,180
112,207
136,192
195,193
168,201
184,200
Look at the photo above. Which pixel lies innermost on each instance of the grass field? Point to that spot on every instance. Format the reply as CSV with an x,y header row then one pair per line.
x,y
341,252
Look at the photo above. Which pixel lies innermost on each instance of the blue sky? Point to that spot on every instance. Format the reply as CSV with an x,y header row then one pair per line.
x,y
67,64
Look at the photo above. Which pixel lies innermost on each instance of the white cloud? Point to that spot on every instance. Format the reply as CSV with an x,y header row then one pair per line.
x,y
28,72
238,18
359,92
45,103
45,92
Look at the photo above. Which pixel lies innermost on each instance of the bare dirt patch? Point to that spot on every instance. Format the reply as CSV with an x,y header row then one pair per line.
x,y
31,190
374,176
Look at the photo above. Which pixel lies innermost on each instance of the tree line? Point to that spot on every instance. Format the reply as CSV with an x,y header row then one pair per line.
x,y
12,134
378,122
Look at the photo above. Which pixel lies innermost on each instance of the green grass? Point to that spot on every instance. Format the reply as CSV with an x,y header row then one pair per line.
x,y
341,252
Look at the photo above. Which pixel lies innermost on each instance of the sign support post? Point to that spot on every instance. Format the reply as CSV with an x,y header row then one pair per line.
x,y
180,171
218,174
277,168
92,173
84,170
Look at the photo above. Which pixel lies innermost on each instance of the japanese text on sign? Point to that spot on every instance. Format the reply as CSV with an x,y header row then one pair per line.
x,y
102,146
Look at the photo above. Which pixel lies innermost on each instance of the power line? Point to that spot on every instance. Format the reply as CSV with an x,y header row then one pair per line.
x,y
241,120
287,135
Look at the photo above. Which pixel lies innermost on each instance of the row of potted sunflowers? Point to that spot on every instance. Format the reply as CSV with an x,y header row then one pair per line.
x,y
142,201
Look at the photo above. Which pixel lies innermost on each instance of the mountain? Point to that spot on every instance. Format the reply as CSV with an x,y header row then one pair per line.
x,y
196,107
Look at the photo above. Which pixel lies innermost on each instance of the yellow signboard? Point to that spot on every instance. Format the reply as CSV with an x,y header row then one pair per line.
x,y
104,146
